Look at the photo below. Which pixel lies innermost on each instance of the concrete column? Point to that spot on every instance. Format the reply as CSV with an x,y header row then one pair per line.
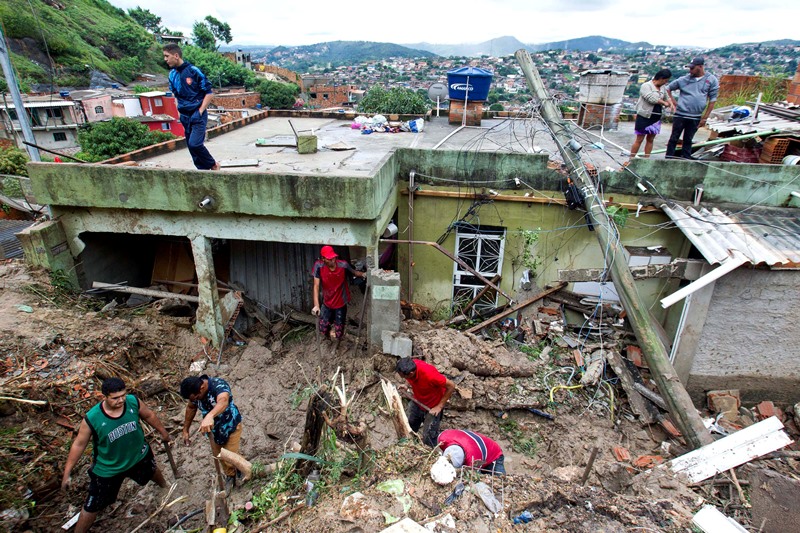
x,y
384,308
45,244
209,314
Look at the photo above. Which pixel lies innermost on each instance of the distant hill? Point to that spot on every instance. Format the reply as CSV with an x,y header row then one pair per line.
x,y
335,53
504,46
589,44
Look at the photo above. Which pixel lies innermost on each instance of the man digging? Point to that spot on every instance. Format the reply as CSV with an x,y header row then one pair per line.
x,y
431,389
221,421
119,449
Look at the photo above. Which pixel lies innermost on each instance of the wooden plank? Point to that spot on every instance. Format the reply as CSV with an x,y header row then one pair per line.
x,y
710,520
732,451
635,400
481,292
516,308
144,292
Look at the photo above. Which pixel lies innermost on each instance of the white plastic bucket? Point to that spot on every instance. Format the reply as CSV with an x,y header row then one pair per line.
x,y
791,160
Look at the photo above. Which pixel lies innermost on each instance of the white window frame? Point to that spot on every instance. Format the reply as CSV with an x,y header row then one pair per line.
x,y
166,126
489,254
157,102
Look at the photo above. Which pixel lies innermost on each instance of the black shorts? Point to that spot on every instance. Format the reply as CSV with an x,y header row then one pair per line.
x,y
103,491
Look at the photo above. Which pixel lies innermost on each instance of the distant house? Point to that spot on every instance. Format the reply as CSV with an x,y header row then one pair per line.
x,y
54,122
96,106
160,112
240,58
164,38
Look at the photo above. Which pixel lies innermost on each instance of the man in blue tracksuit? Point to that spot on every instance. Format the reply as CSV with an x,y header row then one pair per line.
x,y
698,96
193,91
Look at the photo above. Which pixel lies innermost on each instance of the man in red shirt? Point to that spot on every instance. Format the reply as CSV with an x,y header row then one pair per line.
x,y
430,388
334,276
472,450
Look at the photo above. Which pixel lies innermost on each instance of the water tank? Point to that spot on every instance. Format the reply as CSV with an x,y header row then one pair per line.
x,y
469,83
602,86
115,86
63,94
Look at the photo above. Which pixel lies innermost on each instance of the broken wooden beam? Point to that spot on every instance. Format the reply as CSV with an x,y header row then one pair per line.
x,y
516,308
688,269
144,292
480,294
396,411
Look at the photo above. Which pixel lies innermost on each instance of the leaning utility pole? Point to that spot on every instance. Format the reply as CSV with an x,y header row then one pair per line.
x,y
13,88
679,403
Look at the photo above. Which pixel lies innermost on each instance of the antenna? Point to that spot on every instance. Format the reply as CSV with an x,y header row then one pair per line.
x,y
438,92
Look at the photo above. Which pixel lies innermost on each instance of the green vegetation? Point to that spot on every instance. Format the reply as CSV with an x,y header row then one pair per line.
x,y
774,87
84,35
146,19
520,441
220,71
103,140
277,95
208,31
13,161
496,107
395,100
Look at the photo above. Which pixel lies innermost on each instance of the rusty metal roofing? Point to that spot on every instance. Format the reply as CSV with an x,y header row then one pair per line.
x,y
9,244
764,239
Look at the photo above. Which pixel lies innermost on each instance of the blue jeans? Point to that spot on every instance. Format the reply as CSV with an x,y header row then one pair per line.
x,y
194,127
686,126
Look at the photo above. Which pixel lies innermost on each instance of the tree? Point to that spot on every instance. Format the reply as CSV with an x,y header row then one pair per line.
x,y
103,140
395,100
13,161
146,19
208,31
218,70
277,95
203,38
496,107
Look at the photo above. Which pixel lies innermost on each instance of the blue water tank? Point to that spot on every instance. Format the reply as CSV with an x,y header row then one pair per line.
x,y
469,83
115,86
63,94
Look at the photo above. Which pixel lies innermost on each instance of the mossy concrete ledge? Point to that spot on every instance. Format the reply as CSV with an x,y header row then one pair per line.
x,y
260,194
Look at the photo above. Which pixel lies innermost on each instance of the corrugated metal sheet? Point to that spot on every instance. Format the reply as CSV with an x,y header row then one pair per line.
x,y
765,239
9,244
766,121
54,103
275,274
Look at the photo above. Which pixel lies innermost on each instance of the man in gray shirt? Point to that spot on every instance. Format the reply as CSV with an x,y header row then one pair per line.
x,y
698,96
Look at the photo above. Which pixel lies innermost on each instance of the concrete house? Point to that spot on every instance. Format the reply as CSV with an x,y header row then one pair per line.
x,y
54,121
259,225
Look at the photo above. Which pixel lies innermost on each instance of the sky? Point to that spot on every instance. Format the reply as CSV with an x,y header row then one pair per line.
x,y
702,23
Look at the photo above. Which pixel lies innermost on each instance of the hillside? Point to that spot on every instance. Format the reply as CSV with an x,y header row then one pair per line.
x,y
335,53
504,46
81,36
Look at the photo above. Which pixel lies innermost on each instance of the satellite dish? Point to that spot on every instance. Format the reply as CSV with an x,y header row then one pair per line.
x,y
438,92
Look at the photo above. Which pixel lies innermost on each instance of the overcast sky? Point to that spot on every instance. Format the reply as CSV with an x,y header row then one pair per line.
x,y
704,23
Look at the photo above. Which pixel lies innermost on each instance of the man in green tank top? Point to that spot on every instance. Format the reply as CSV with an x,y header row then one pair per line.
x,y
118,446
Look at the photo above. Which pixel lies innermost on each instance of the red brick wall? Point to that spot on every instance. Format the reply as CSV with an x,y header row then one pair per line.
x,y
236,100
336,96
731,85
474,112
599,115
794,88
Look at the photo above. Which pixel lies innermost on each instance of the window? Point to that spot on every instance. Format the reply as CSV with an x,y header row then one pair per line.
x,y
244,103
54,112
157,102
59,136
99,109
480,247
12,114
166,126
324,96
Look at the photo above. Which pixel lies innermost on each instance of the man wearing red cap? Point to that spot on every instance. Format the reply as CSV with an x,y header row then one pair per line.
x,y
334,276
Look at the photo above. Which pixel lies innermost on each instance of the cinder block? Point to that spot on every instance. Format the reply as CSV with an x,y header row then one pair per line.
x,y
396,344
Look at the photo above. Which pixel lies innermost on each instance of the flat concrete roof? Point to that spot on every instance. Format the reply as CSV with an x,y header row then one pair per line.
x,y
602,149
